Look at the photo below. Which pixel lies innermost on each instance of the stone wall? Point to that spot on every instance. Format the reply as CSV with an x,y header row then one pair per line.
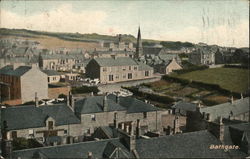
x,y
34,81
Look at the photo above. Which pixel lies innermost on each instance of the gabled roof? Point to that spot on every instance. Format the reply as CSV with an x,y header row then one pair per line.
x,y
185,106
9,70
23,117
77,150
186,145
117,61
95,105
62,56
224,110
51,72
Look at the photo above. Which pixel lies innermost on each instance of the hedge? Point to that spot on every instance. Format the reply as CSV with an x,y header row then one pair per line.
x,y
85,89
198,84
150,96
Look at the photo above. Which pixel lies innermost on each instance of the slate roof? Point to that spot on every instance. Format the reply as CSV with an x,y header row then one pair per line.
x,y
143,66
51,72
8,70
23,117
185,106
78,150
224,110
62,56
118,61
186,145
114,52
95,105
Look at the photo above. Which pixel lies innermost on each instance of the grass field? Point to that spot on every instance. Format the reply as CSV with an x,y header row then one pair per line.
x,y
232,79
54,42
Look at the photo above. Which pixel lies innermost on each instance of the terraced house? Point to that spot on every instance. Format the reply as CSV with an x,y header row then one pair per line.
x,y
72,122
117,69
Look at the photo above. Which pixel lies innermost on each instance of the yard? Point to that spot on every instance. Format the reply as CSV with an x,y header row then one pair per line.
x,y
232,79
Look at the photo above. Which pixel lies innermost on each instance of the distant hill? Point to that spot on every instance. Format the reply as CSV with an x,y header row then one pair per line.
x,y
88,41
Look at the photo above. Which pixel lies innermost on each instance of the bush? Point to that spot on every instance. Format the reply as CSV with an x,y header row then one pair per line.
x,y
85,89
62,96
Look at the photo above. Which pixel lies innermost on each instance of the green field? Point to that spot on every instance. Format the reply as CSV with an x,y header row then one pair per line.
x,y
232,79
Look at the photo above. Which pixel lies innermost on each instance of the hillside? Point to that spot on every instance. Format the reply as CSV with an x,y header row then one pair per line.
x,y
76,40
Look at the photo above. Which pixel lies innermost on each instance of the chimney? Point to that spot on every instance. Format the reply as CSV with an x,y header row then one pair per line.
x,y
115,120
92,94
127,129
90,155
122,126
232,100
105,104
132,129
36,100
198,108
217,129
72,101
117,99
68,99
138,129
176,124
241,96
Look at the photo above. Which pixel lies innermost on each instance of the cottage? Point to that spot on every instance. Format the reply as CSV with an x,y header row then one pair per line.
x,y
167,67
53,76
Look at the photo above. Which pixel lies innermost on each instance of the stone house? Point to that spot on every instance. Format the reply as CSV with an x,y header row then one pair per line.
x,y
53,76
63,62
22,83
128,145
167,67
233,110
80,118
202,57
117,69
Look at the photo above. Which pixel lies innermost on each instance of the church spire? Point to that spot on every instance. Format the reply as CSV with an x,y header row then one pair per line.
x,y
139,50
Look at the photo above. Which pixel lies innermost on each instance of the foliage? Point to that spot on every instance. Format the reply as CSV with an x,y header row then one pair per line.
x,y
176,45
22,143
62,96
85,89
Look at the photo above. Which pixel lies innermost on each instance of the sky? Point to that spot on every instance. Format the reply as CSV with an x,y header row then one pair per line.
x,y
220,22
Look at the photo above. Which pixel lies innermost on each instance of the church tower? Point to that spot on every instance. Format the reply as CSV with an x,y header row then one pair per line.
x,y
139,50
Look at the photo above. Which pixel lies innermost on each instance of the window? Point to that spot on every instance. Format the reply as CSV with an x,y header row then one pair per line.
x,y
14,134
31,133
111,78
146,73
93,117
129,67
50,125
65,132
144,115
48,79
129,75
104,69
135,68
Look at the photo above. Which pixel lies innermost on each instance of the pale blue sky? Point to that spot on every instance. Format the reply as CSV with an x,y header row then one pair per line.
x,y
223,22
